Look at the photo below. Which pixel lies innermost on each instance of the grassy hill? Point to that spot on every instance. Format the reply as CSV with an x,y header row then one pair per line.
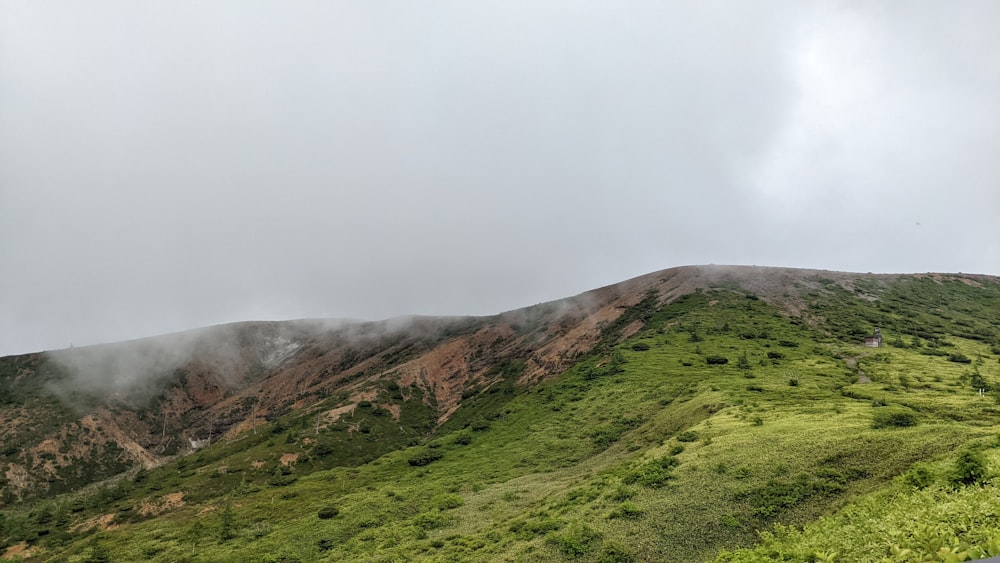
x,y
703,412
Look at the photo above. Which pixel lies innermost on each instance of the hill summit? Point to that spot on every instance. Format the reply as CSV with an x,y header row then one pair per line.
x,y
673,416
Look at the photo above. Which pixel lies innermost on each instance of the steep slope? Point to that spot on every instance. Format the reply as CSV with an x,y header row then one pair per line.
x,y
107,407
667,417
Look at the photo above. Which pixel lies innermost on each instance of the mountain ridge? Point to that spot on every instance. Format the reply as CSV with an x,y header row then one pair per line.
x,y
363,390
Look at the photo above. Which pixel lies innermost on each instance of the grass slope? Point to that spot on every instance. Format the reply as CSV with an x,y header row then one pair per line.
x,y
723,417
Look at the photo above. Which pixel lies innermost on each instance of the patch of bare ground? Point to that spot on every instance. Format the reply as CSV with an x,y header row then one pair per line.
x,y
333,415
18,552
288,459
105,420
393,409
101,522
444,371
163,504
17,476
243,426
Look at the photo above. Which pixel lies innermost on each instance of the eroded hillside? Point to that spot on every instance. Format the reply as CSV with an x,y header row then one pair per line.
x,y
688,408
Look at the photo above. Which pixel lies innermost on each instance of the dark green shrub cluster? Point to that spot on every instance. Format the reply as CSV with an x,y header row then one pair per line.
x,y
423,458
716,360
535,527
768,501
654,473
919,476
612,552
640,346
430,520
328,512
576,541
687,436
627,510
898,418
970,469
447,501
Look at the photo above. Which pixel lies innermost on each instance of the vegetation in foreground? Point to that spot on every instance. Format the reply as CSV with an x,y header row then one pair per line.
x,y
724,428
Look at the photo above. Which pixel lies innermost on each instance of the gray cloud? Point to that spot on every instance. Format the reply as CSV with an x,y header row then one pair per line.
x,y
169,167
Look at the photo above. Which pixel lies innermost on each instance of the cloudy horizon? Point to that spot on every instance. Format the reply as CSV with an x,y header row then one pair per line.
x,y
166,166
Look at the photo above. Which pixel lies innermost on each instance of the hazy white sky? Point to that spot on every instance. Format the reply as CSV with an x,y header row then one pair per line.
x,y
166,165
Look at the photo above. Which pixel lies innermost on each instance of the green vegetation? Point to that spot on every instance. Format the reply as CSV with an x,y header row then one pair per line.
x,y
651,447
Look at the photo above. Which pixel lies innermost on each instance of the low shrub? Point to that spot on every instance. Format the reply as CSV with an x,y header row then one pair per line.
x,y
654,473
613,552
328,512
959,358
893,418
430,521
447,501
970,469
576,541
919,476
423,458
627,510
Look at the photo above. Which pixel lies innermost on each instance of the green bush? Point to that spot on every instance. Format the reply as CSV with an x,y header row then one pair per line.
x,y
612,552
576,541
716,360
328,512
627,510
919,476
687,436
654,473
898,418
447,501
959,358
430,521
970,469
640,346
423,458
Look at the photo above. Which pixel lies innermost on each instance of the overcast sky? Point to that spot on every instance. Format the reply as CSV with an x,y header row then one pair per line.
x,y
172,164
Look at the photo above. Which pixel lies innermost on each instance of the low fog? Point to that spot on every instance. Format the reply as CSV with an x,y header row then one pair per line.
x,y
169,166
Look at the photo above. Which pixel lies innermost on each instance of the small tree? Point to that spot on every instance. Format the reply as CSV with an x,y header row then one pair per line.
x,y
227,523
194,534
743,362
98,552
970,469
